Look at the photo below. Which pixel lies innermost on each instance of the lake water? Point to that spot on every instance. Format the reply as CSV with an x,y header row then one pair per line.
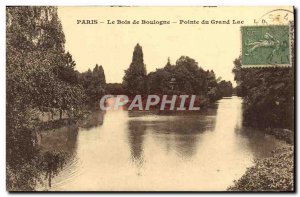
x,y
149,151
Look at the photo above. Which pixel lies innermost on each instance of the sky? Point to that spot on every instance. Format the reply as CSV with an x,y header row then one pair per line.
x,y
213,46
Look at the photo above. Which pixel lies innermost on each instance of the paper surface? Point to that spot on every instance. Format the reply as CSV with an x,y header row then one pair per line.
x,y
150,98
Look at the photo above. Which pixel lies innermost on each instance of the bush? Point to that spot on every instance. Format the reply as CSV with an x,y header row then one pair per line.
x,y
274,173
268,95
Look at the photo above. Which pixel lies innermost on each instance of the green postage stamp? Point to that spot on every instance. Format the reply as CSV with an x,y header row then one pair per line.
x,y
265,46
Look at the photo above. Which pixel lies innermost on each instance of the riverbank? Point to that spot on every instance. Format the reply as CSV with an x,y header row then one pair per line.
x,y
274,173
56,122
281,134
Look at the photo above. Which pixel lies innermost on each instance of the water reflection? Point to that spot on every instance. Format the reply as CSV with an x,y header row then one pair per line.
x,y
52,162
38,157
176,132
57,151
136,134
155,151
22,169
96,118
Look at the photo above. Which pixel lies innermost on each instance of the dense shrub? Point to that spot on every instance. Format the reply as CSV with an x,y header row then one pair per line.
x,y
275,173
268,95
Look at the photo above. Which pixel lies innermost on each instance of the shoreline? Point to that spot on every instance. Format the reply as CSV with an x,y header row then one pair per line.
x,y
273,173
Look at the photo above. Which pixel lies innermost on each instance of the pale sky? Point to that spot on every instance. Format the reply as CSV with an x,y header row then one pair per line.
x,y
213,46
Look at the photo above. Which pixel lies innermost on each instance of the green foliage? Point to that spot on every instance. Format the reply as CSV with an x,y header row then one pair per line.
x,y
268,94
275,173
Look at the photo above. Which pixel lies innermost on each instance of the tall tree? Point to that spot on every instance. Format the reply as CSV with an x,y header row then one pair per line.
x,y
135,79
35,51
94,84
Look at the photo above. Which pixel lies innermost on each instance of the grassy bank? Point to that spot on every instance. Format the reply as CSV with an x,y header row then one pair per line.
x,y
274,173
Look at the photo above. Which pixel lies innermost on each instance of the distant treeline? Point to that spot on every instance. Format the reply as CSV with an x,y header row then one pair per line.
x,y
185,77
268,95
41,75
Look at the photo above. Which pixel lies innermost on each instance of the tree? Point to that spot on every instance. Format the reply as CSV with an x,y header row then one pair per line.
x,y
225,88
268,95
135,79
212,86
65,69
185,77
237,71
115,89
39,76
94,84
34,27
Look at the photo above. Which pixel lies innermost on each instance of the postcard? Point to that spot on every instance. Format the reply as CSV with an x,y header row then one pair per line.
x,y
150,99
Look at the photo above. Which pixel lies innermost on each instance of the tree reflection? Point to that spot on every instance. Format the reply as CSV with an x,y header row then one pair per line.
x,y
52,162
22,169
95,119
34,158
177,132
136,136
